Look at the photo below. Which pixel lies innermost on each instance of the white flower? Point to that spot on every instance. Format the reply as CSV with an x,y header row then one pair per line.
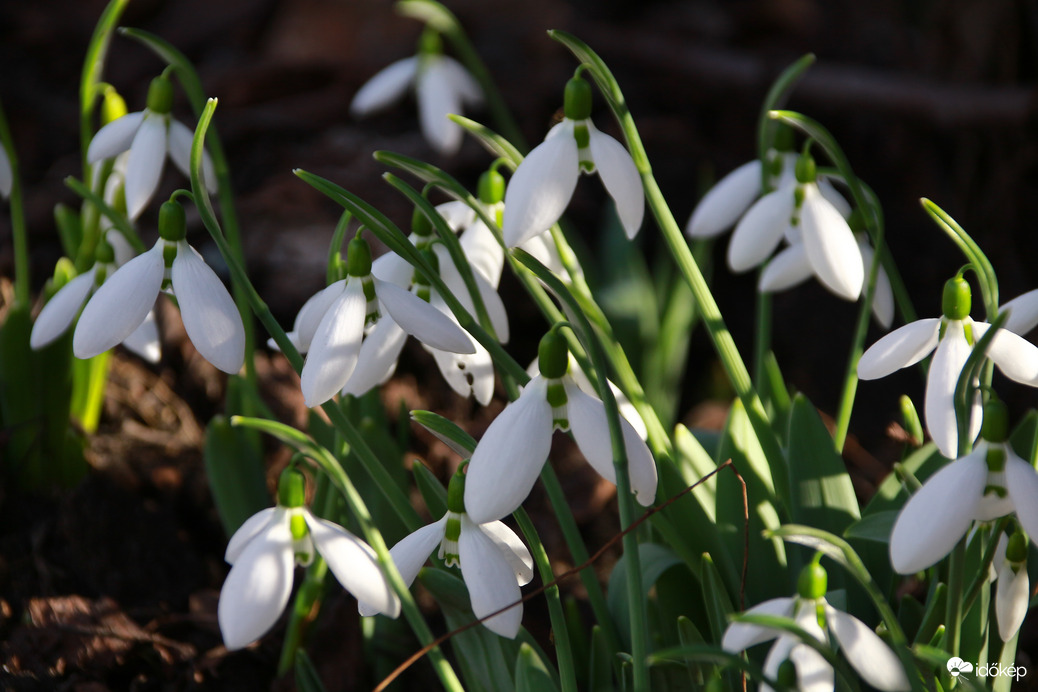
x,y
542,185
123,302
938,515
864,650
6,174
1013,591
953,339
334,330
149,135
442,87
494,563
263,553
513,450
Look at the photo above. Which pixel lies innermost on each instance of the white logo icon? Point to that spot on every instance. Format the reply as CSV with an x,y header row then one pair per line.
x,y
956,666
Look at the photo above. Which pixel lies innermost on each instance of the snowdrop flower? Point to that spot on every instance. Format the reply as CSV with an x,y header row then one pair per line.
x,y
953,336
513,450
263,553
334,331
6,174
543,184
987,483
493,560
442,86
122,303
1013,591
874,661
149,135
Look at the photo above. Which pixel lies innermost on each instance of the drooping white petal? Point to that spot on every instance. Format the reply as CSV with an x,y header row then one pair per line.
x,y
1016,357
869,655
421,320
814,674
779,652
257,589
120,304
461,81
830,245
939,406
121,247
437,97
938,514
541,187
883,295
354,564
620,176
180,140
388,85
211,318
833,196
759,231
467,374
313,311
510,456
114,138
1022,485
900,348
1011,600
740,636
587,420
410,554
147,156
6,174
992,504
785,270
484,253
627,409
251,528
378,356
144,340
1023,312
457,214
490,580
495,307
393,268
726,201
60,311
542,247
335,346
513,550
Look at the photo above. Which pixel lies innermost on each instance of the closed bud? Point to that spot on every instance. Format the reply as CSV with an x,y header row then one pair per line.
x,y
577,100
553,355
358,257
172,222
812,582
491,187
957,300
160,95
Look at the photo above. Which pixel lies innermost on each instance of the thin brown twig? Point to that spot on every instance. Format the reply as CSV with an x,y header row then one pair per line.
x,y
413,658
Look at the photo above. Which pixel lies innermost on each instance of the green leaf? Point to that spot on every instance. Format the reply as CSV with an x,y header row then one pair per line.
x,y
600,666
433,492
718,604
237,480
822,493
655,559
447,431
873,527
933,617
531,674
694,463
1024,438
494,143
307,679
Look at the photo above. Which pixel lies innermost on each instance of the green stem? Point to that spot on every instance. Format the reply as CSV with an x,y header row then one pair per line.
x,y
954,609
762,340
564,652
93,65
19,233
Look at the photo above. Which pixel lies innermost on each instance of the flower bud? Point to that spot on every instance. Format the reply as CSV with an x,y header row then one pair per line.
x,y
577,99
491,187
358,257
160,95
172,222
812,582
113,106
1016,548
553,355
806,169
291,488
910,416
957,300
430,42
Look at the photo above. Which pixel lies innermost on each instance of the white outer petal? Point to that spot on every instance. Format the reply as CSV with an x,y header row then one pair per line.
x,y
759,231
120,304
512,548
147,156
883,296
900,348
467,374
461,81
540,189
385,87
257,589
61,310
378,356
437,97
869,655
627,409
410,553
830,244
211,318
490,580
180,141
393,268
335,346
938,514
726,201
251,528
488,294
620,177
939,406
785,270
509,458
144,340
740,636
484,253
1023,312
833,196
1012,596
1022,484
421,320
354,564
114,138
1016,357
313,311
587,420
814,674
457,214
542,246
